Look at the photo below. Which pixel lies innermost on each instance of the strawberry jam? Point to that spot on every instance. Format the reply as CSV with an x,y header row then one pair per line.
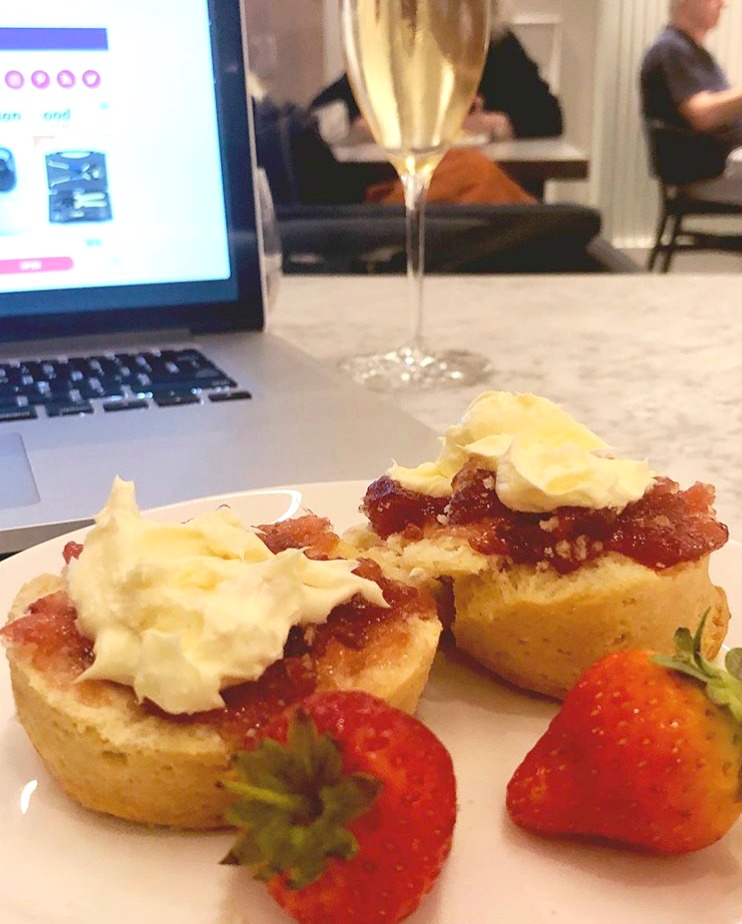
x,y
312,533
392,508
251,705
72,550
665,527
48,633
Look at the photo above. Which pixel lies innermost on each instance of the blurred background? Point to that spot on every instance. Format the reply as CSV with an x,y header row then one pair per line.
x,y
589,51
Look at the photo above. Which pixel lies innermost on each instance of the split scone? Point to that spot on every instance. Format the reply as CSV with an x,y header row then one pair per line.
x,y
556,551
141,669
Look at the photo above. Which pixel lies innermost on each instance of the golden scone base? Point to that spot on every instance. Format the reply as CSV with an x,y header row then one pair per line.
x,y
540,630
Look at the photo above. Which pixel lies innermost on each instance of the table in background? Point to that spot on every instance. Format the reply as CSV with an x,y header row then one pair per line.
x,y
650,363
530,161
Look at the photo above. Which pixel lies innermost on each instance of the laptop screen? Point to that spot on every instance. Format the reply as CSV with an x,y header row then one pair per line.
x,y
126,197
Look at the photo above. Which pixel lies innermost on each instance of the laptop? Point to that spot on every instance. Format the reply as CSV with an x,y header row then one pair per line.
x,y
131,290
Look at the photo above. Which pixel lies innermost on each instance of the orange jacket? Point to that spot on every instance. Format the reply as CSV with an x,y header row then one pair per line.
x,y
465,176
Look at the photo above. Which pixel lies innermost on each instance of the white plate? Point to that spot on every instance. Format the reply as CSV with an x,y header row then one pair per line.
x,y
61,864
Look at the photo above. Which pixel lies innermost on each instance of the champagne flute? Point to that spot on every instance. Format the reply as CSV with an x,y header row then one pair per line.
x,y
414,66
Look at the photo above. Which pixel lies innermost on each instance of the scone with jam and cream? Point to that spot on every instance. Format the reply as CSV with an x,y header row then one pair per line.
x,y
555,550
140,669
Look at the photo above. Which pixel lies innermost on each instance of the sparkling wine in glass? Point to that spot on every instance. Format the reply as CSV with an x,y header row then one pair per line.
x,y
414,66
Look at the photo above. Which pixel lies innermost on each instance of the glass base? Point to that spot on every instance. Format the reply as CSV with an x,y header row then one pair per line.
x,y
410,367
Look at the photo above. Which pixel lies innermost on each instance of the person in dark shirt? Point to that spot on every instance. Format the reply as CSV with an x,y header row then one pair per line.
x,y
683,86
513,100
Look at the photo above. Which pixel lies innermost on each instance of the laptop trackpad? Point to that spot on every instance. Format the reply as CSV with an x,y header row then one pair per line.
x,y
17,485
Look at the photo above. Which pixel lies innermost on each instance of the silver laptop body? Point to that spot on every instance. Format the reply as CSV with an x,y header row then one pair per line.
x,y
128,227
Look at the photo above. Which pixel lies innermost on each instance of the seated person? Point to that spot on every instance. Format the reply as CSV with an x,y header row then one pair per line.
x,y
513,100
683,86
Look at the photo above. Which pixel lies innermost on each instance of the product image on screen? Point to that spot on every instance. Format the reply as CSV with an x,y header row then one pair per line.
x,y
8,177
78,186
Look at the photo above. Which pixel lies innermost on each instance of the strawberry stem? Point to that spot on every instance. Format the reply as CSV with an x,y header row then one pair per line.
x,y
294,803
289,802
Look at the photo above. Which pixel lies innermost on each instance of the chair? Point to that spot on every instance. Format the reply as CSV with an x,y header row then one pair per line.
x,y
671,151
472,239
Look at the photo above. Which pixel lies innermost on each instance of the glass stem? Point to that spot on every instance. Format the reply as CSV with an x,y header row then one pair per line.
x,y
415,193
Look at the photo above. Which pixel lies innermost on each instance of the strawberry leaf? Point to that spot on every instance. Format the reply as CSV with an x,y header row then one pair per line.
x,y
684,642
733,662
723,687
293,805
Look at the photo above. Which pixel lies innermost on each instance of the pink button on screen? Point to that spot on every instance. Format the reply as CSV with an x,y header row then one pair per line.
x,y
40,79
36,265
14,79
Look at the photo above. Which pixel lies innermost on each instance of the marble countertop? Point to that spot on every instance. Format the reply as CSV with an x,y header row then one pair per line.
x,y
650,363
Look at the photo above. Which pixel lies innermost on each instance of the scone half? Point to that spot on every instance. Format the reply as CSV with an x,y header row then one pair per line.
x,y
114,755
537,598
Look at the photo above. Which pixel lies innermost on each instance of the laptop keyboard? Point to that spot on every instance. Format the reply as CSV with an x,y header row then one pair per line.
x,y
115,382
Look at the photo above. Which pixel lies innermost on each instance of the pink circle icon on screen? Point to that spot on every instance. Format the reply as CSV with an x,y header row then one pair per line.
x,y
91,79
66,79
14,79
40,79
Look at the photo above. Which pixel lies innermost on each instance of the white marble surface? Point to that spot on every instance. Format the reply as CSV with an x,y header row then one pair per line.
x,y
653,364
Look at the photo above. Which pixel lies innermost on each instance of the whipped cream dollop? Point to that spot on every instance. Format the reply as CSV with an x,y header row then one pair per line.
x,y
544,459
181,611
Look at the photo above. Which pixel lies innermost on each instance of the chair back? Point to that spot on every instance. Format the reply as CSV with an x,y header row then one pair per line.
x,y
678,156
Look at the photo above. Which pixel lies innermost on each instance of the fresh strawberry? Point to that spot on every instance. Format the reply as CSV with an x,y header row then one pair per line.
x,y
646,751
346,806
